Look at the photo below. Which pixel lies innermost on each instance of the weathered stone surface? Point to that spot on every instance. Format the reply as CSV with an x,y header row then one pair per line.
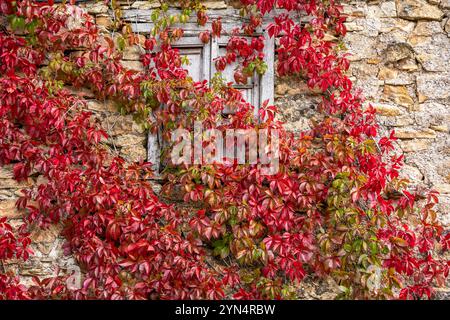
x,y
39,234
130,140
433,52
418,10
444,170
427,28
134,153
302,124
318,289
387,73
116,125
447,26
133,65
96,7
446,150
388,9
8,209
31,267
6,194
145,5
445,4
440,128
215,4
408,133
104,21
354,11
389,25
398,51
408,65
442,294
353,26
433,86
400,121
291,86
281,89
152,4
388,110
133,53
81,92
414,145
398,94
373,60
443,188
434,1
411,173
95,105
363,71
370,88
359,46
394,36
13,184
6,172
371,26
41,180
394,77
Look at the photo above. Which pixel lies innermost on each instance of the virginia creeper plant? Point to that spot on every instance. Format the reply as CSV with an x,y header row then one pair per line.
x,y
337,207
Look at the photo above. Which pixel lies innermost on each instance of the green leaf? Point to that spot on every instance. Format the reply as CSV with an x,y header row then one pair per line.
x,y
155,15
17,22
121,43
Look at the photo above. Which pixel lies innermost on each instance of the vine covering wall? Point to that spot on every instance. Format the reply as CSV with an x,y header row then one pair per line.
x,y
399,59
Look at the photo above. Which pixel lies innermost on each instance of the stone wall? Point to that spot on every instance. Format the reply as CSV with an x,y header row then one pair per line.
x,y
401,53
400,60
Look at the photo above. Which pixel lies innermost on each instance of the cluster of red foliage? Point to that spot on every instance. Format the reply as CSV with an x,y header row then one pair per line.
x,y
125,240
336,207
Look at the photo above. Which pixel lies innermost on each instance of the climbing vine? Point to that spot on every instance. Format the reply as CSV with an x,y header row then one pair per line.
x,y
336,207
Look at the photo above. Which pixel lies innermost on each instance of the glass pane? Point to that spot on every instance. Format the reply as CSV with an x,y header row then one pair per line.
x,y
195,67
228,73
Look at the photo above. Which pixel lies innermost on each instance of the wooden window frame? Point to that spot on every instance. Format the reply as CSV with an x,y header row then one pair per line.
x,y
263,86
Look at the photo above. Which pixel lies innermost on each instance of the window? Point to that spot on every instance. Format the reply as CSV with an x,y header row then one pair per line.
x,y
259,88
201,57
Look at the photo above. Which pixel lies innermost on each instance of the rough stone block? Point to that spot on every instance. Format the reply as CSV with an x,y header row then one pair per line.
x,y
48,235
434,86
6,173
134,153
398,51
408,133
398,94
8,209
414,145
445,4
118,125
418,10
133,65
104,21
443,188
99,106
411,173
130,140
387,110
96,8
133,53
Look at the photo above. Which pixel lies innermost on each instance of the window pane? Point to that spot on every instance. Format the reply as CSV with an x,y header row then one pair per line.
x,y
195,67
228,73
